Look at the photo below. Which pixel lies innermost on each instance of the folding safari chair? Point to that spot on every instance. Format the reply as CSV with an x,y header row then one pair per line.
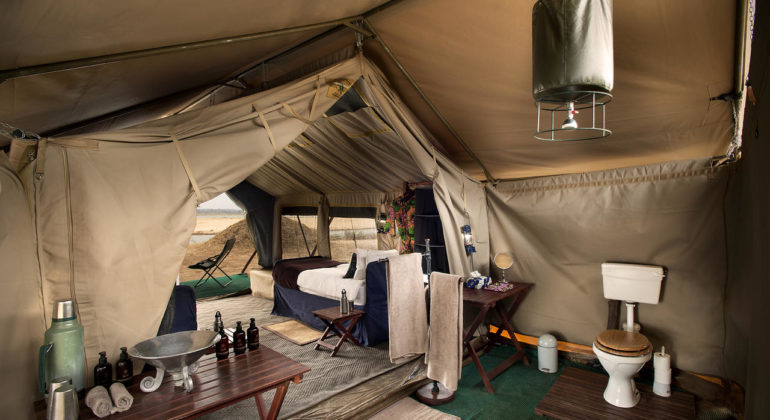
x,y
211,264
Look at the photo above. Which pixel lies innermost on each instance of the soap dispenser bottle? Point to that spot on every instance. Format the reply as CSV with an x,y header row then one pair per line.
x,y
103,371
239,339
124,368
252,335
223,346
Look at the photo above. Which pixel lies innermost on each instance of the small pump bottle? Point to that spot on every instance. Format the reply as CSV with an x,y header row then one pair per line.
x,y
124,368
252,335
103,371
239,339
223,346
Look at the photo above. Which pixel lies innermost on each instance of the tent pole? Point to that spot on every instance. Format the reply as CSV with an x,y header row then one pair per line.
x,y
429,102
249,261
304,238
129,55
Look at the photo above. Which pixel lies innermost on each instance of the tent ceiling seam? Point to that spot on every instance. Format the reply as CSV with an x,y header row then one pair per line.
x,y
430,104
13,73
212,90
622,181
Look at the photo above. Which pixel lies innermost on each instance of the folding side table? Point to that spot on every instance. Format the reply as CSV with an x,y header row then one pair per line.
x,y
334,321
486,300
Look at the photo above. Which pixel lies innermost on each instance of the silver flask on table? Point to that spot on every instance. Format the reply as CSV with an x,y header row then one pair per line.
x,y
344,309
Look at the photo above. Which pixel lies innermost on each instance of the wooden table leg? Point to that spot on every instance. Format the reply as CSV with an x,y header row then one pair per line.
x,y
476,322
345,335
339,330
323,337
472,353
275,406
476,361
520,353
349,331
261,406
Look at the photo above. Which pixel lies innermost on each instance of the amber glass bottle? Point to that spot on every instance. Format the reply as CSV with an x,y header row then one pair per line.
x,y
239,339
252,335
223,346
124,368
103,371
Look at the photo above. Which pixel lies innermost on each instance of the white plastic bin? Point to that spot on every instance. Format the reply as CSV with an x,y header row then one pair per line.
x,y
547,354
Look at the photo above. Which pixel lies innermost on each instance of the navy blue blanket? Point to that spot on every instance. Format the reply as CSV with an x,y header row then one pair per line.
x,y
370,330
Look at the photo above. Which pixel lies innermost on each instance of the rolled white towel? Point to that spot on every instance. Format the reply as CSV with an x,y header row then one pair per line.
x,y
121,396
98,400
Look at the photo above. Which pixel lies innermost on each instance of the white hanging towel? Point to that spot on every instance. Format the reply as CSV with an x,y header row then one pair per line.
x,y
407,313
444,357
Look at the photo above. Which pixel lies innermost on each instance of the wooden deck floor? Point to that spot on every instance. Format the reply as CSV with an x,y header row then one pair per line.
x,y
578,394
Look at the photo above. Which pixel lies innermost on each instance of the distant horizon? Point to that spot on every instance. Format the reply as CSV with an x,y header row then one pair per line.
x,y
237,212
221,203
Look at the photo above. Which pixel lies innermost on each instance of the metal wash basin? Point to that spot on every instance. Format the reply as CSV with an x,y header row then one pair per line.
x,y
177,353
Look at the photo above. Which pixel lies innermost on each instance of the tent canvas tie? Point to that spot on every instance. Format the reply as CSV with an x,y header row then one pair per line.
x,y
187,168
267,127
295,114
315,96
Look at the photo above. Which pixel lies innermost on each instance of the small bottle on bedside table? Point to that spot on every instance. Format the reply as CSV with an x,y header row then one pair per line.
x,y
344,302
239,339
223,346
252,335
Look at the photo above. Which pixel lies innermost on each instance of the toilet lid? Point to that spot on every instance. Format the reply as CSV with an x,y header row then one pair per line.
x,y
623,343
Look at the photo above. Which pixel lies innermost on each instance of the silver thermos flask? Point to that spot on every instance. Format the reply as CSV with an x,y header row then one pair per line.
x,y
344,302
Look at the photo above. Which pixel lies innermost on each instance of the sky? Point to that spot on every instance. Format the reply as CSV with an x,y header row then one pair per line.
x,y
220,202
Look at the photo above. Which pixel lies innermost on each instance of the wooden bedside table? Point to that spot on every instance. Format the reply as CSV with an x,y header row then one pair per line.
x,y
334,326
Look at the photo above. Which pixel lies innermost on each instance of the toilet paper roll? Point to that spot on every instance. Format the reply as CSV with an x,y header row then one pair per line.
x,y
663,376
662,361
664,390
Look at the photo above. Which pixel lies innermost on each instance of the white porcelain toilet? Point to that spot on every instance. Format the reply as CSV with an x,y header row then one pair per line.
x,y
623,353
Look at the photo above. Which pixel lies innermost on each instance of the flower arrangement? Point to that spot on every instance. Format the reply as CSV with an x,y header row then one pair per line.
x,y
400,219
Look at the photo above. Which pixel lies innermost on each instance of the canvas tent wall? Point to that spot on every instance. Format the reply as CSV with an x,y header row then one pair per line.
x,y
472,60
114,211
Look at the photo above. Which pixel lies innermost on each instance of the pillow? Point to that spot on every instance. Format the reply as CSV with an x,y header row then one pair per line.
x,y
351,268
360,273
370,256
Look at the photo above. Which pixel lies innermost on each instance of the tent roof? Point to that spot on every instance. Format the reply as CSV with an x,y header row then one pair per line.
x,y
472,60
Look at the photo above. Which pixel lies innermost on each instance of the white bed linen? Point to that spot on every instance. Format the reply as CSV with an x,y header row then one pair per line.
x,y
328,282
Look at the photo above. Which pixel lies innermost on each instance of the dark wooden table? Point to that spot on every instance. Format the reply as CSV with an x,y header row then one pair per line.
x,y
217,384
334,321
486,300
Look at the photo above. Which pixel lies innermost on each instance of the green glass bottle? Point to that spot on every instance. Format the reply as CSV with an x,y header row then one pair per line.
x,y
63,354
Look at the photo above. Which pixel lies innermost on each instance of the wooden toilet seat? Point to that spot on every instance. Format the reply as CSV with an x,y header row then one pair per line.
x,y
623,343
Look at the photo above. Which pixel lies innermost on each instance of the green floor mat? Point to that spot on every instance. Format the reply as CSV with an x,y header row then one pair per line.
x,y
518,390
210,288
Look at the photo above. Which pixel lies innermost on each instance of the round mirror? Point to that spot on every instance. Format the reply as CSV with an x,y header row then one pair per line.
x,y
503,260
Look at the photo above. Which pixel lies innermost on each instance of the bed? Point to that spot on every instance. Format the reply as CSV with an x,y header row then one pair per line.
x,y
318,284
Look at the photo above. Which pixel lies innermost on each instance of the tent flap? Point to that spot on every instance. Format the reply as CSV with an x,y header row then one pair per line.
x,y
117,218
